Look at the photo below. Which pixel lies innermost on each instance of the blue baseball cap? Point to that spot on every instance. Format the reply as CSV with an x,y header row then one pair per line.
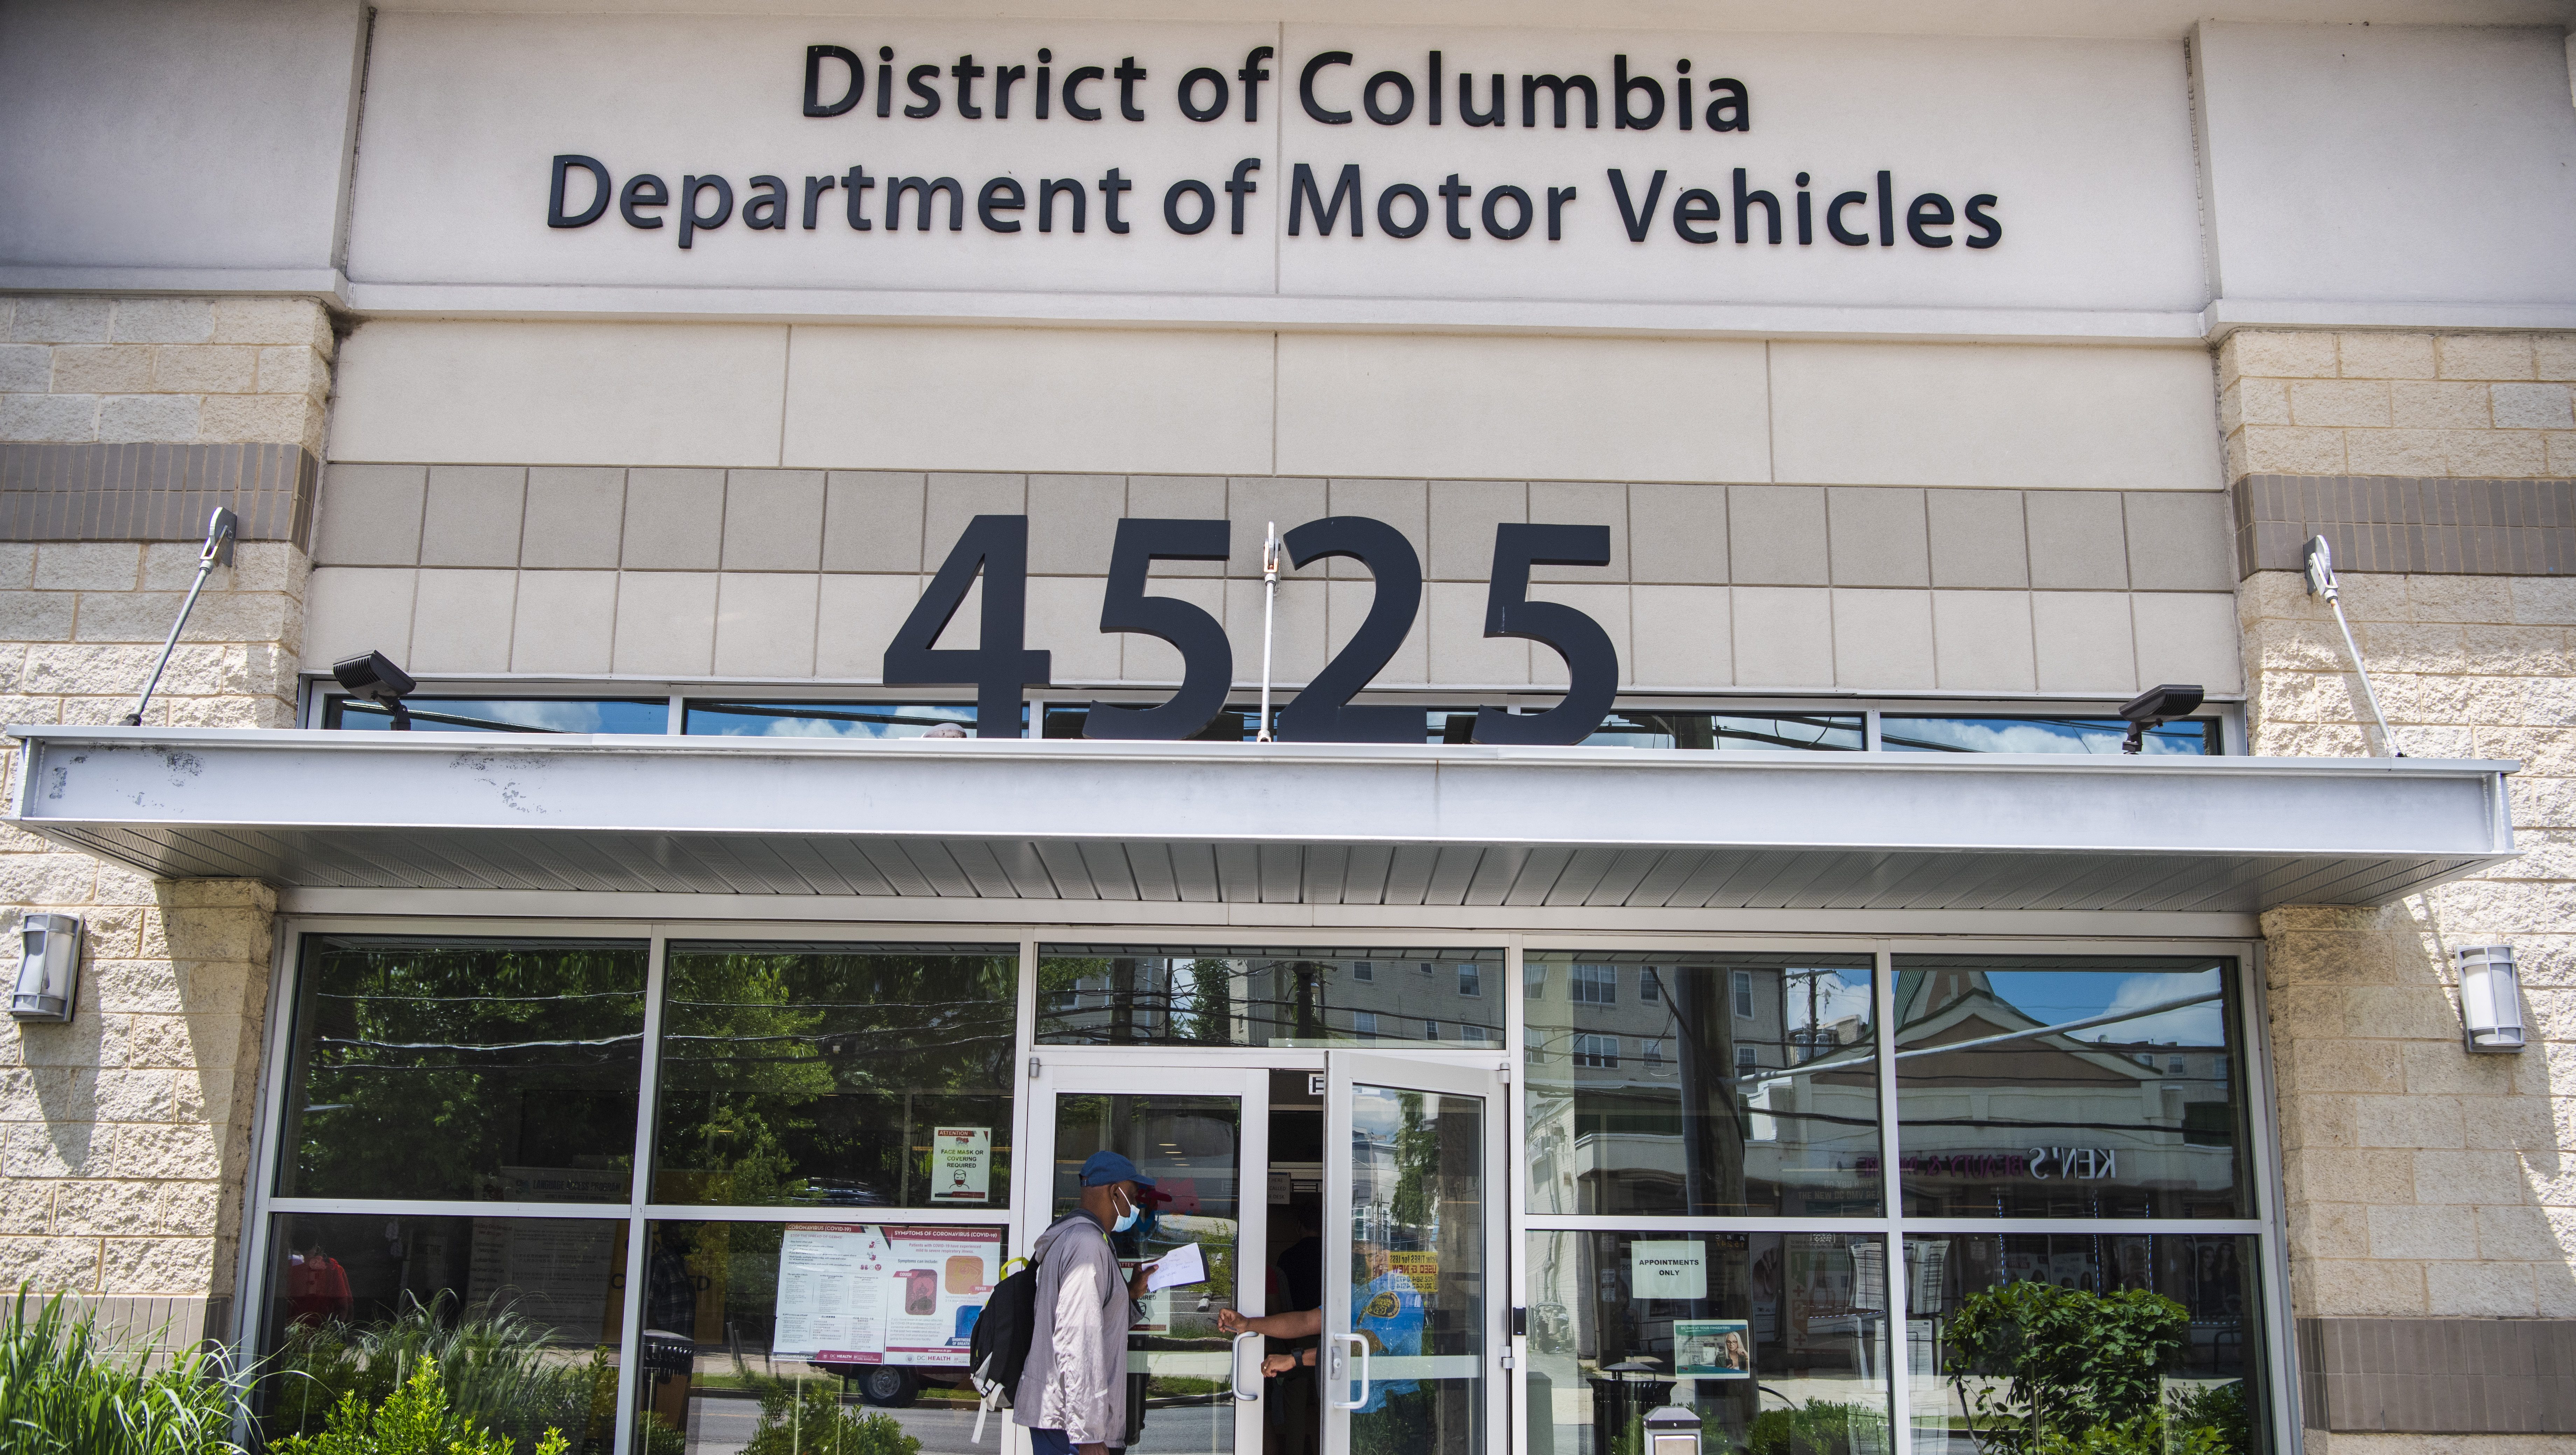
x,y
1104,1168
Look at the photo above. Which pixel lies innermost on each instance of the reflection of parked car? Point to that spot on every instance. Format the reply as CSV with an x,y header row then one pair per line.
x,y
889,1386
837,1192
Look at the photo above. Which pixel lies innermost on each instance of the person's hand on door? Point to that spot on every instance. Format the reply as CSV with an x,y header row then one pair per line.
x,y
1297,1325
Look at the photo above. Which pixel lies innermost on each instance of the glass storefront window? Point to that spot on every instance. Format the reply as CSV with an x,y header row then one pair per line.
x,y
521,1313
836,1075
1739,731
480,1070
2197,736
829,719
1982,1308
1119,995
1778,1341
2078,1086
748,1344
1702,1085
502,715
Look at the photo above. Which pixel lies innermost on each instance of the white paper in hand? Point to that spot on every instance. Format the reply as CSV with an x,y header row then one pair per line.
x,y
1180,1268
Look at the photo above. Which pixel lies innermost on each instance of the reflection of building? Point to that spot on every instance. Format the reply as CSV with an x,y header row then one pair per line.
x,y
1117,995
1675,1085
2029,1118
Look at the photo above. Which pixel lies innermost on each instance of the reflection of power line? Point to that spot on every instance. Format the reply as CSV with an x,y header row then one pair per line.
x,y
2062,1027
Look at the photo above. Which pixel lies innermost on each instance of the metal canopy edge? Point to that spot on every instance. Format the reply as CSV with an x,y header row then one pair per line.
x,y
1344,824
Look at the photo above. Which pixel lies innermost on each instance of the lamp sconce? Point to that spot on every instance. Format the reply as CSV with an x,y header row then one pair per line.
x,y
2490,999
49,973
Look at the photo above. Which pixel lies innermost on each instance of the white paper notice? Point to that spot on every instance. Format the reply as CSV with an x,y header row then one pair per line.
x,y
961,1165
863,1293
1675,1269
831,1293
1179,1268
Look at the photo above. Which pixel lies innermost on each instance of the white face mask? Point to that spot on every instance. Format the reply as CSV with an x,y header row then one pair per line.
x,y
1126,1219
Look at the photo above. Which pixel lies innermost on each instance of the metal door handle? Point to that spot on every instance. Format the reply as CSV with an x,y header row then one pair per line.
x,y
1342,1373
1235,1369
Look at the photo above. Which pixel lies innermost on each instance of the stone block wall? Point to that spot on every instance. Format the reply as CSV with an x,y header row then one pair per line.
x,y
2415,405
2431,1193
77,370
126,1133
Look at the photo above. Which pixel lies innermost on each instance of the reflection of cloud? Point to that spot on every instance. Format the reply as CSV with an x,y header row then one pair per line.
x,y
2195,1025
2003,735
817,727
1376,1111
562,717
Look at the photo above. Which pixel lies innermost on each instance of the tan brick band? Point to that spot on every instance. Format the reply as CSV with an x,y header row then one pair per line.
x,y
2399,523
2438,1376
154,492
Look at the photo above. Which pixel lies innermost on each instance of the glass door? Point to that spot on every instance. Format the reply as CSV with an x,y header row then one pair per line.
x,y
1203,1136
1414,1279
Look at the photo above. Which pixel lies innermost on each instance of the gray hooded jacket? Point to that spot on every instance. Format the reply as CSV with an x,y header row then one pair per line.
x,y
1076,1376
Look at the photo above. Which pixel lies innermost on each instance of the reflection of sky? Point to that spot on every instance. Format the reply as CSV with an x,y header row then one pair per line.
x,y
560,715
2029,735
2054,996
1839,994
1376,1111
849,720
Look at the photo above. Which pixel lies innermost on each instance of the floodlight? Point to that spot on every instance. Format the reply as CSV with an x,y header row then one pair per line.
x,y
2156,706
374,677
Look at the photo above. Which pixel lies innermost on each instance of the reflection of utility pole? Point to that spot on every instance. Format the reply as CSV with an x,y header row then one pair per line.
x,y
1807,1038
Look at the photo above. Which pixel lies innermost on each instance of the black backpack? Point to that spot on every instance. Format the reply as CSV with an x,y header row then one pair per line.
x,y
998,1349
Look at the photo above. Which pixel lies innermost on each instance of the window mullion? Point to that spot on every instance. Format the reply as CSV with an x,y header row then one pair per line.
x,y
639,1193
1900,1339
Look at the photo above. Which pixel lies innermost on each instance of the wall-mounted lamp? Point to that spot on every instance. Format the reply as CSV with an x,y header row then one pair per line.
x,y
375,678
2154,707
49,975
2490,998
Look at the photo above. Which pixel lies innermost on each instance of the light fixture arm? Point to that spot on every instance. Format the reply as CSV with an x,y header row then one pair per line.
x,y
2318,558
1269,608
218,551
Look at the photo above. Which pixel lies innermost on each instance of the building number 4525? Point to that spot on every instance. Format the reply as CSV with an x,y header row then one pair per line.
x,y
1001,664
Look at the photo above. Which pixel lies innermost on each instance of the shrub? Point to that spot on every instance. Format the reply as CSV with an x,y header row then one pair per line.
x,y
1818,1427
807,1417
413,1420
495,1366
2069,1360
61,1394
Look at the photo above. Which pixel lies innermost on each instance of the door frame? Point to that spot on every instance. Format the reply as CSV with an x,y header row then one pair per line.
x,y
1149,1074
1487,1077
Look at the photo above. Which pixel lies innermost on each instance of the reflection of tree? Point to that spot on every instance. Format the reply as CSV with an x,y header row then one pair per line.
x,y
1417,1164
797,1076
421,1068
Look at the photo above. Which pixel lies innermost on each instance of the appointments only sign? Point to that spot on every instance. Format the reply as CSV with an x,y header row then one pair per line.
x,y
1219,161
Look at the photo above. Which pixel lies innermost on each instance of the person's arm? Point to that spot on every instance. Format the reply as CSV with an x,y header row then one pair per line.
x,y
1296,1325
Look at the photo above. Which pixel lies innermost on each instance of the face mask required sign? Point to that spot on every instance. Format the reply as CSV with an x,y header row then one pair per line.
x,y
863,1293
1323,160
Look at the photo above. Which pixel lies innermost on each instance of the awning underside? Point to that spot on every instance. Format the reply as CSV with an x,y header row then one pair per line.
x,y
1282,824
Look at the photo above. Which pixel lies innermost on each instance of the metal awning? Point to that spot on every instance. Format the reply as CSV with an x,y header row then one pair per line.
x,y
1267,824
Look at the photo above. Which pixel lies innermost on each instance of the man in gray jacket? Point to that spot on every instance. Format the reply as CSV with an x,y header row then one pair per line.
x,y
1073,1390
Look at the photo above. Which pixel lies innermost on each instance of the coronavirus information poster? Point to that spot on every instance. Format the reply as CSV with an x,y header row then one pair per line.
x,y
866,1293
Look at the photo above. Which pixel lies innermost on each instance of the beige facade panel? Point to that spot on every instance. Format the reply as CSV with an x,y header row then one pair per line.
x,y
2032,418
561,393
1028,399
1433,406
